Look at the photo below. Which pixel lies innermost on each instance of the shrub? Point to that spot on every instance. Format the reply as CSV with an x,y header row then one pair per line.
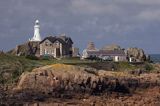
x,y
32,57
148,67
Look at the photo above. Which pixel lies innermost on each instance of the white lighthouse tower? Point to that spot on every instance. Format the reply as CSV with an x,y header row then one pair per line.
x,y
37,36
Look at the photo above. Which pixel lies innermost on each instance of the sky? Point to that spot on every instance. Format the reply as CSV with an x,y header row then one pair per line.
x,y
128,23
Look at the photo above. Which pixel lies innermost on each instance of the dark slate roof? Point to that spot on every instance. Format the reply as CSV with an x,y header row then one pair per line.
x,y
62,39
65,38
107,53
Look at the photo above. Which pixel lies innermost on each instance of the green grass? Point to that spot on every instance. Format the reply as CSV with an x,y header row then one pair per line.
x,y
14,66
126,66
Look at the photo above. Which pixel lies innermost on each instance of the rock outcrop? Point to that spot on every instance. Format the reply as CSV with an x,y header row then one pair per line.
x,y
112,47
61,84
136,53
28,48
74,79
69,78
55,77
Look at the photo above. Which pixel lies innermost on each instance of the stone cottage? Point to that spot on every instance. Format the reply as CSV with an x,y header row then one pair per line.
x,y
56,46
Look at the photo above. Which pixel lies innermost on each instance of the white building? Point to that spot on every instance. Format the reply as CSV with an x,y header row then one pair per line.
x,y
112,55
37,36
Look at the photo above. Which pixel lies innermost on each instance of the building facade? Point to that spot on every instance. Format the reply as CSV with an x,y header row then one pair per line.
x,y
56,46
110,55
75,52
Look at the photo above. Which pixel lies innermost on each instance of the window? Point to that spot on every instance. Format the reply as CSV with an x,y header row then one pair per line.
x,y
52,51
45,51
46,43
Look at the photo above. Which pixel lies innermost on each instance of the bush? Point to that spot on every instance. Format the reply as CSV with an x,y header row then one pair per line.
x,y
71,58
94,58
148,67
32,57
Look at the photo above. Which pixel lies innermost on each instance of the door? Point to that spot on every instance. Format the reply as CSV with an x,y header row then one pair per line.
x,y
57,52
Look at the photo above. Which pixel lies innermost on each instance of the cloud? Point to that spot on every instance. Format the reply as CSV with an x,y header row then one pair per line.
x,y
123,21
149,15
141,2
94,7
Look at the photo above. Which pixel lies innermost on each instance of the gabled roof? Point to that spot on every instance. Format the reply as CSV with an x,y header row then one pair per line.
x,y
61,39
65,38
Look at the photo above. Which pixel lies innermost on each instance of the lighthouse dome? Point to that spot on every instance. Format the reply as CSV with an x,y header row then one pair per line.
x,y
37,22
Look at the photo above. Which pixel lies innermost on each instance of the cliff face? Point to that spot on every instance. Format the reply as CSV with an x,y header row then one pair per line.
x,y
28,48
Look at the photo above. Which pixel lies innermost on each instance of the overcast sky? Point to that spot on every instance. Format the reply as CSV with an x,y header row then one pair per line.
x,y
129,23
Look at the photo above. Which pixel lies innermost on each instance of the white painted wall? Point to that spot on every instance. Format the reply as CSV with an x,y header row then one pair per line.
x,y
116,58
37,36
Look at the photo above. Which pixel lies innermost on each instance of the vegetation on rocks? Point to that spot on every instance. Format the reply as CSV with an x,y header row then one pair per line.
x,y
11,67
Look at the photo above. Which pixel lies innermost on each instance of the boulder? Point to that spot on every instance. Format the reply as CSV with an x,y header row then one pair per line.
x,y
55,77
28,48
136,53
112,47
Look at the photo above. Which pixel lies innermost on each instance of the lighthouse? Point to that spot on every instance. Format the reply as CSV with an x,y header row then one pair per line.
x,y
37,36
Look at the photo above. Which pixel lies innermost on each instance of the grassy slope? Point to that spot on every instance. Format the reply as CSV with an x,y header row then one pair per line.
x,y
11,67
